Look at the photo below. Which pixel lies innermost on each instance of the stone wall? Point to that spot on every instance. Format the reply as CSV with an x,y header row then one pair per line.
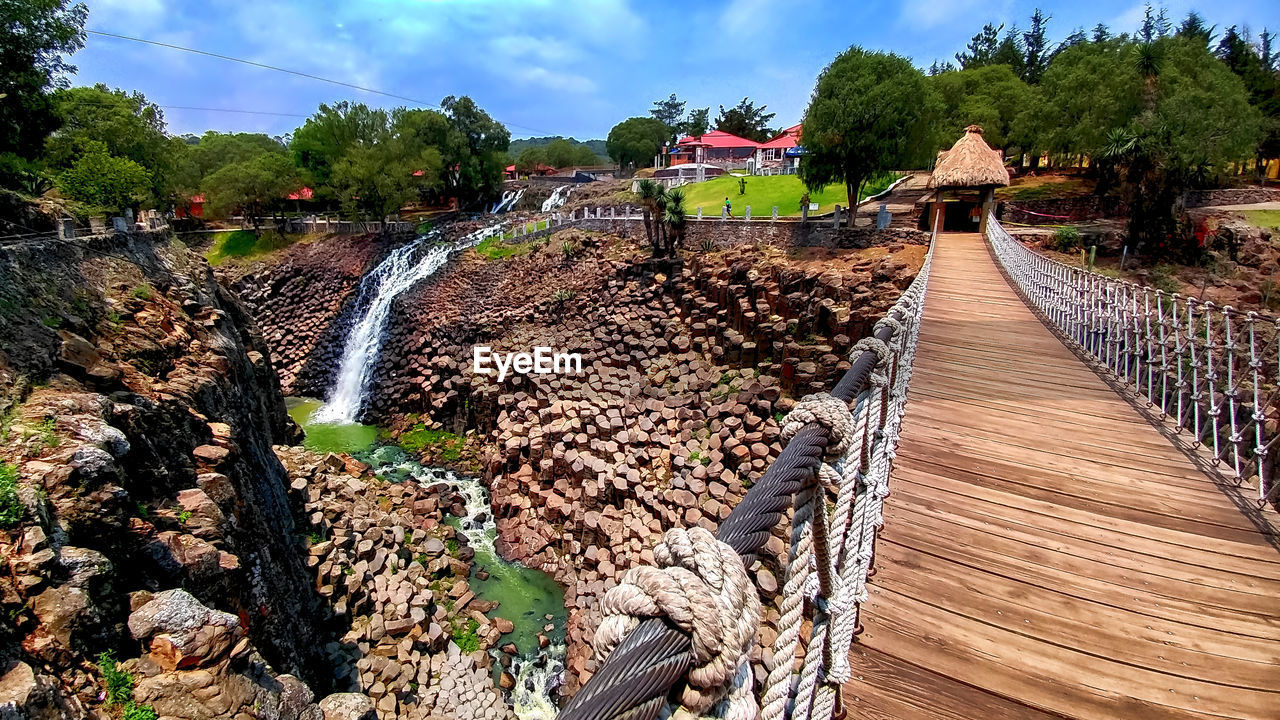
x,y
1233,196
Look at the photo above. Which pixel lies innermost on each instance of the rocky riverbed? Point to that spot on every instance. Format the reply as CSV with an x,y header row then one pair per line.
x,y
688,366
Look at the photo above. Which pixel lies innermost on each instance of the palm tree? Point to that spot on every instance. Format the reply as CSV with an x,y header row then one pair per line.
x,y
1148,62
648,191
674,220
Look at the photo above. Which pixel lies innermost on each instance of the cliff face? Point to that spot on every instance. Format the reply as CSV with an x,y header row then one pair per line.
x,y
138,411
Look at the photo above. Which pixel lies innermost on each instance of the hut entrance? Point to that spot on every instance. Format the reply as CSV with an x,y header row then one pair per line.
x,y
961,212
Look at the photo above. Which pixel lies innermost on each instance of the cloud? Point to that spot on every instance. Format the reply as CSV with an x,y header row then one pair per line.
x,y
924,14
553,80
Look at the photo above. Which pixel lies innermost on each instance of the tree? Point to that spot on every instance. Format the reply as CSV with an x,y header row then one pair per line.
x,y
584,156
648,192
870,112
1159,118
377,181
635,141
1193,27
475,151
128,125
981,48
103,180
674,221
1011,52
1035,48
1088,90
560,153
1100,33
530,159
254,186
990,96
35,37
328,134
697,123
745,120
669,111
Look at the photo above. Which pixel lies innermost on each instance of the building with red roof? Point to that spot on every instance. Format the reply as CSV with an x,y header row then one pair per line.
x,y
718,148
781,155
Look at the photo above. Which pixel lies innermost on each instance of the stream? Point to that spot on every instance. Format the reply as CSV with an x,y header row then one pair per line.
x,y
526,596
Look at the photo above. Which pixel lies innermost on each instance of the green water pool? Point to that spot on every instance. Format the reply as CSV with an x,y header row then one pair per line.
x,y
329,437
525,596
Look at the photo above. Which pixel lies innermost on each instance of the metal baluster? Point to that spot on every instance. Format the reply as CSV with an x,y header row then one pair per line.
x,y
1210,378
1178,352
1232,391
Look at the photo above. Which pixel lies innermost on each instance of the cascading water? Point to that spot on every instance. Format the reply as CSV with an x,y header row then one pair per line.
x,y
400,271
537,672
508,201
559,197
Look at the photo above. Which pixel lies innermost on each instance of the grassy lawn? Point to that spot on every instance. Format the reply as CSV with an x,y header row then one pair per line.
x,y
765,191
1043,187
243,244
494,248
1262,218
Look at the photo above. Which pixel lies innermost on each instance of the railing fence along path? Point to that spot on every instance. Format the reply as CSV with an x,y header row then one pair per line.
x,y
1210,371
690,624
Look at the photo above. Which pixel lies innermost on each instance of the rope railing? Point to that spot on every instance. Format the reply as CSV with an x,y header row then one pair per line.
x,y
1209,371
679,636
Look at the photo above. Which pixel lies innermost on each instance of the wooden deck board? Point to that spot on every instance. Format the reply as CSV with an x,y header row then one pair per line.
x,y
1046,552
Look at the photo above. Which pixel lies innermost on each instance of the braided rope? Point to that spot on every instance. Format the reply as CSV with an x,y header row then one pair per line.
x,y
702,586
830,555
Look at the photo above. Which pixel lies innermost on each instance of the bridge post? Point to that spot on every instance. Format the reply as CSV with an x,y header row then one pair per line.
x,y
836,218
747,216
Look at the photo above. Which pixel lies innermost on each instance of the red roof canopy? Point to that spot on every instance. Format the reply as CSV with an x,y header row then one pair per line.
x,y
305,193
718,139
788,139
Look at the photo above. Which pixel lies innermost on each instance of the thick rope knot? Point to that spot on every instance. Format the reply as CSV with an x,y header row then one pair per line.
x,y
830,412
701,585
884,357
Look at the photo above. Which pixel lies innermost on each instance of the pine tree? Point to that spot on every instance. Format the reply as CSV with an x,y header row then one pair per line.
x,y
1034,43
981,48
1101,33
1194,27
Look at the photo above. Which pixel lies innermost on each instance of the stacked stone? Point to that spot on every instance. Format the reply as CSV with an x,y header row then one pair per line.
x,y
383,563
298,301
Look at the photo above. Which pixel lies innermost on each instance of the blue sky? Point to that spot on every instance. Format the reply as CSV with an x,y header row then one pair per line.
x,y
544,67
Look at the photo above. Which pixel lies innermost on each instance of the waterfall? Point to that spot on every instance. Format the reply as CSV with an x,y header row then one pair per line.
x,y
400,271
498,205
508,201
559,197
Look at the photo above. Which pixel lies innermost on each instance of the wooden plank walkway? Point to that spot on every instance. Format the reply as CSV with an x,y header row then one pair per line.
x,y
1046,552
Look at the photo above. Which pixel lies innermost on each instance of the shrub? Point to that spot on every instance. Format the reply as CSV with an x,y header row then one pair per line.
x,y
708,245
465,637
142,292
562,296
1162,277
569,248
134,711
10,506
1066,239
119,683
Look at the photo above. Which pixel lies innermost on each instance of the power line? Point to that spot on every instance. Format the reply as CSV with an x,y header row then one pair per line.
x,y
298,73
230,110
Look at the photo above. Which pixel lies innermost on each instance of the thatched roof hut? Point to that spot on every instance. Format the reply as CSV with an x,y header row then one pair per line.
x,y
970,163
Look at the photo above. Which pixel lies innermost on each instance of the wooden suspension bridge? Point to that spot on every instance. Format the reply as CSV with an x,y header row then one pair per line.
x,y
1046,552
1047,543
